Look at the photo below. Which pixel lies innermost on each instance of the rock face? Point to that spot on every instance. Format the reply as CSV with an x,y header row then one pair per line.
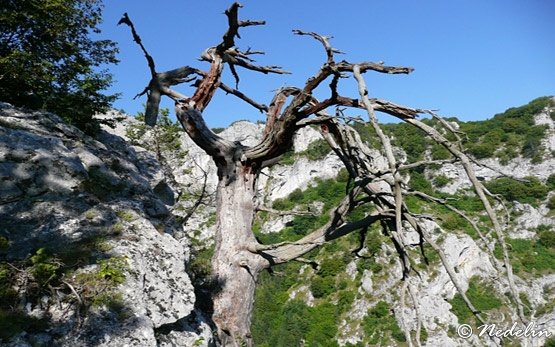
x,y
93,207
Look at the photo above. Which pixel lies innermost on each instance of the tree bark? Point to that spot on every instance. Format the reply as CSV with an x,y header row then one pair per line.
x,y
234,268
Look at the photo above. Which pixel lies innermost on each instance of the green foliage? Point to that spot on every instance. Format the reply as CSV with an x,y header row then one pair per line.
x,y
345,300
322,286
48,58
201,262
167,133
439,152
44,267
280,321
126,215
218,130
317,150
546,237
135,132
378,322
330,267
117,228
551,182
441,181
409,138
113,270
419,182
508,134
550,342
288,158
296,322
531,256
482,297
551,203
467,202
529,191
330,192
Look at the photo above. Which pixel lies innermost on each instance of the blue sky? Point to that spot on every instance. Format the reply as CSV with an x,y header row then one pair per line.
x,y
472,58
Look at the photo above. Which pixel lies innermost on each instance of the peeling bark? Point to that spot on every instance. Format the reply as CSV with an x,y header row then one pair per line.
x,y
234,268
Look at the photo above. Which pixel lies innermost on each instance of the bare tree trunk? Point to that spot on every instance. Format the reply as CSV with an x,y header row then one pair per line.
x,y
234,268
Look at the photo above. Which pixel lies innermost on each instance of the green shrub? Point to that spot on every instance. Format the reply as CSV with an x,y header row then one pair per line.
x,y
547,238
551,203
531,257
528,191
201,262
330,267
317,150
439,152
452,221
126,215
481,150
419,182
345,300
512,132
551,182
482,297
441,181
45,267
280,322
113,269
322,286
379,321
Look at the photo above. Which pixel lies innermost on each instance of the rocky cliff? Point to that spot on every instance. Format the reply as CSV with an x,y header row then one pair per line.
x,y
87,246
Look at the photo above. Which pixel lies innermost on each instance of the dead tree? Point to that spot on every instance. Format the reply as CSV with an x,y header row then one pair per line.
x,y
239,258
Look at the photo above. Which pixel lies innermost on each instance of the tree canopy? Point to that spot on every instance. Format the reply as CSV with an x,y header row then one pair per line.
x,y
50,60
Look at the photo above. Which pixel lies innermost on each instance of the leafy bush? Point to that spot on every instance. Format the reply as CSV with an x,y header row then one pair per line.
x,y
45,267
551,182
322,286
317,150
482,297
531,256
441,181
379,321
551,203
280,322
529,191
331,266
419,182
48,58
439,152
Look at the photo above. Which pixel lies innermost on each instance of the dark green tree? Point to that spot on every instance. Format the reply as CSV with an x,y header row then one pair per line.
x,y
49,59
